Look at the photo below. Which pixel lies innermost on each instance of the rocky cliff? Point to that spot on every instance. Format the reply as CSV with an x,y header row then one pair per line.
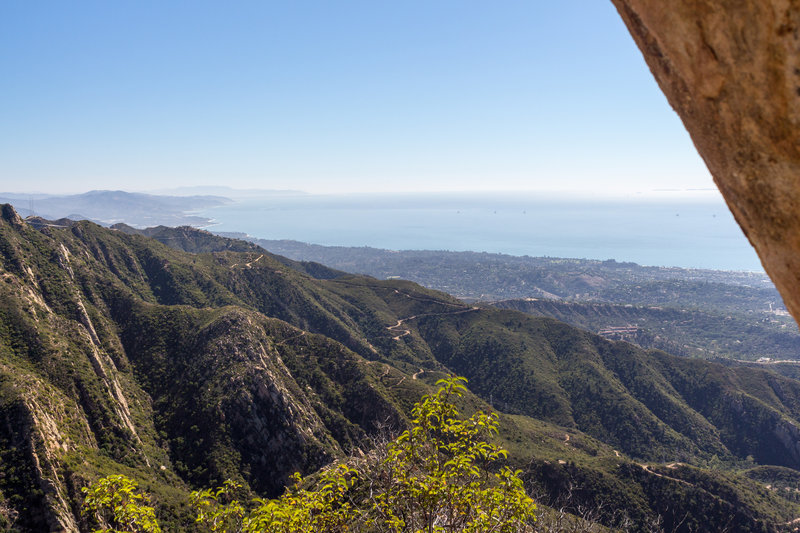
x,y
731,70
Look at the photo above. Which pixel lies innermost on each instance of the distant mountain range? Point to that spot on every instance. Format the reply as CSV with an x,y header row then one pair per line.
x,y
110,207
119,354
227,192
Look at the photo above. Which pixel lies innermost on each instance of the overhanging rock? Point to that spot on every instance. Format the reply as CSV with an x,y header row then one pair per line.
x,y
731,70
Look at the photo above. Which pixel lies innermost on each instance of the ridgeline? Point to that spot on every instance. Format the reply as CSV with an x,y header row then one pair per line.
x,y
120,354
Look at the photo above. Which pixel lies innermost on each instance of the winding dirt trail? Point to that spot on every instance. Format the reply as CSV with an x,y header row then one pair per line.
x,y
398,328
386,370
426,299
290,339
250,264
399,325
405,331
646,468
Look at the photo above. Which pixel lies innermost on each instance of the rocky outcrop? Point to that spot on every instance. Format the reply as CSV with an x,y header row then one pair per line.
x,y
731,70
8,214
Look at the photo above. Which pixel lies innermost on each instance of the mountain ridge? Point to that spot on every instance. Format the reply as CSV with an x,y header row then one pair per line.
x,y
149,357
108,207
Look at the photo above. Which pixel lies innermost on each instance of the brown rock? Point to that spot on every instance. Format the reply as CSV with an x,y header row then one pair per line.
x,y
731,70
8,214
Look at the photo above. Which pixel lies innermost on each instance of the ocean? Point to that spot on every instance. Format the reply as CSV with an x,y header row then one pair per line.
x,y
654,231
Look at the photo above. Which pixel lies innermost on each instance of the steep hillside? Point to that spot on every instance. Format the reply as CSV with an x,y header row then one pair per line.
x,y
120,354
649,405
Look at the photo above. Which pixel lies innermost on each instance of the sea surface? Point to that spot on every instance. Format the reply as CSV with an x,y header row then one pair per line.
x,y
657,231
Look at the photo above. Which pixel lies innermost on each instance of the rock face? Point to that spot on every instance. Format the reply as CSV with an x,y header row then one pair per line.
x,y
731,70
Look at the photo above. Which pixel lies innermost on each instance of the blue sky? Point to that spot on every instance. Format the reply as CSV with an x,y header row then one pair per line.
x,y
333,96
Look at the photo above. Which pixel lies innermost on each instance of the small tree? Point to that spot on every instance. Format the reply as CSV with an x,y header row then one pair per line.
x,y
437,476
217,509
326,508
115,501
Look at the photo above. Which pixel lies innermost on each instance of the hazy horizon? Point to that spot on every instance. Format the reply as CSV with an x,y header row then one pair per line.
x,y
347,97
678,194
688,229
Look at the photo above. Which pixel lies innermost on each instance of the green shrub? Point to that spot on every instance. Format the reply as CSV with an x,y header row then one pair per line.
x,y
439,475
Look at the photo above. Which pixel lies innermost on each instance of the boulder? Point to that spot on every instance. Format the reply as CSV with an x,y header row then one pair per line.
x,y
731,70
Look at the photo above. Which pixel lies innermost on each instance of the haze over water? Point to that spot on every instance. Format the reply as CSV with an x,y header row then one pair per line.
x,y
696,233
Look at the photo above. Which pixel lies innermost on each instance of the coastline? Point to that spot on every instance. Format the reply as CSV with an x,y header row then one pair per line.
x,y
687,235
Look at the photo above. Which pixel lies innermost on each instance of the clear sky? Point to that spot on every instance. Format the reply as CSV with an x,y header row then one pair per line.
x,y
332,96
